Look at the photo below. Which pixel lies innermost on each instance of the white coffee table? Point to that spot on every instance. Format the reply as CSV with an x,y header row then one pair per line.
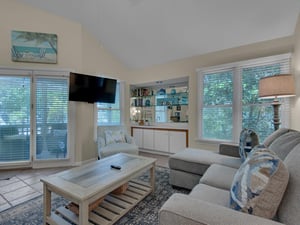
x,y
85,184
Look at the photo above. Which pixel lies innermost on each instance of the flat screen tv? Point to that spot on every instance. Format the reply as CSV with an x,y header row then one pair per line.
x,y
87,88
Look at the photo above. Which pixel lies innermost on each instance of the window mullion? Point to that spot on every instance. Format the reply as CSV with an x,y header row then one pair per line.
x,y
237,105
200,102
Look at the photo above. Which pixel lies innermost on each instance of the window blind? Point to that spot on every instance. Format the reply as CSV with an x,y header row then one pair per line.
x,y
217,105
51,117
14,118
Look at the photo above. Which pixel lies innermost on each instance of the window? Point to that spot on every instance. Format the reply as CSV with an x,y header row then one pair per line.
x,y
33,115
14,118
257,114
110,114
217,103
228,98
51,117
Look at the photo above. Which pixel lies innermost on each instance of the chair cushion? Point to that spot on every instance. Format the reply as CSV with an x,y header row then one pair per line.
x,y
118,148
259,184
248,139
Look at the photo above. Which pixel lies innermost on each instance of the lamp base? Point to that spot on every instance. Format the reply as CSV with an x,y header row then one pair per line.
x,y
276,120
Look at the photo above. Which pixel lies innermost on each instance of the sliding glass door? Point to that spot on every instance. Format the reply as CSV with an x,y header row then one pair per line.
x,y
51,117
14,118
33,117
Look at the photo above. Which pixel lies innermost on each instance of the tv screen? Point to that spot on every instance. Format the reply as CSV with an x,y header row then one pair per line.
x,y
86,88
105,90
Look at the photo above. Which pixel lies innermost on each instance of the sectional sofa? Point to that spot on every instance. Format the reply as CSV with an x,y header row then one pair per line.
x,y
212,178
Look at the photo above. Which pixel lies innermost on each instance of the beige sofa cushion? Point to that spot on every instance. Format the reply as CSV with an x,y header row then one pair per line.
x,y
289,210
197,161
285,143
259,184
210,194
272,137
219,176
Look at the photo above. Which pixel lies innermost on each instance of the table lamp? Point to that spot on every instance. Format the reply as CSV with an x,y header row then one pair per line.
x,y
277,86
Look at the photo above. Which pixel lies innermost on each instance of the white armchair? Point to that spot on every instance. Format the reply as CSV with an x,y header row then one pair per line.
x,y
115,139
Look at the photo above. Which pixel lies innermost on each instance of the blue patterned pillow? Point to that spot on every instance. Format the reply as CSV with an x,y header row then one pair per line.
x,y
259,184
248,139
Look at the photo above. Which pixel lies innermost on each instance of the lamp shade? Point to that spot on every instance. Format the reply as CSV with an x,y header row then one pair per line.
x,y
277,86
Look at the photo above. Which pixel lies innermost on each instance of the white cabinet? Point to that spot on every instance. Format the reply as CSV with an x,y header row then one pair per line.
x,y
148,138
138,136
177,141
160,139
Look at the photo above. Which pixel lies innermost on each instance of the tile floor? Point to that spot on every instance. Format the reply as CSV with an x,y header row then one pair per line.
x,y
24,185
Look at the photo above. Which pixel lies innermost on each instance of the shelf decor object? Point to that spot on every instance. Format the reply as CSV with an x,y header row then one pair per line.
x,y
277,86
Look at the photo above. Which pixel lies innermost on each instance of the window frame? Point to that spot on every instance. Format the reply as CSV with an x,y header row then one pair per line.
x,y
121,85
33,73
237,104
37,77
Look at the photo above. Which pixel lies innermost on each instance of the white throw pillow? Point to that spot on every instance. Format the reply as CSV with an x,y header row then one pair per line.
x,y
116,136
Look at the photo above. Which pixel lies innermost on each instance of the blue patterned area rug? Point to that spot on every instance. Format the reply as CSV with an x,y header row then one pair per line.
x,y
145,213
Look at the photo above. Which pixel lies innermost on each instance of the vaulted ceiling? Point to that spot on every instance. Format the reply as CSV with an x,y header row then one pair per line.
x,y
143,33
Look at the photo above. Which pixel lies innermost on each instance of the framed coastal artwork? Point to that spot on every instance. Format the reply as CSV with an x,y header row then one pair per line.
x,y
33,47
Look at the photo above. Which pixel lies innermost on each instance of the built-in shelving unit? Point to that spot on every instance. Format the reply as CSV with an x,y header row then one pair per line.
x,y
161,102
159,115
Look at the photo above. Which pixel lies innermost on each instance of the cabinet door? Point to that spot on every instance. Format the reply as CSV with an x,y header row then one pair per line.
x,y
161,140
177,141
148,139
138,136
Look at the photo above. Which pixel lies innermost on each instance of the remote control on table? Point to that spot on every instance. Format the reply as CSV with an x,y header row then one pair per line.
x,y
115,167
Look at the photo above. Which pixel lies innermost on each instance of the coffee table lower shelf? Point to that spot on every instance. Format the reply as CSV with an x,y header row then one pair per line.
x,y
111,209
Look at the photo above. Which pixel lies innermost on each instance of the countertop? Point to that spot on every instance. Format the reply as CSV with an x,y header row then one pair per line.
x,y
181,126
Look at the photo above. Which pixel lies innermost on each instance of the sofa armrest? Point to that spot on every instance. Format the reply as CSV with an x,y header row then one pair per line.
x,y
101,142
182,209
229,149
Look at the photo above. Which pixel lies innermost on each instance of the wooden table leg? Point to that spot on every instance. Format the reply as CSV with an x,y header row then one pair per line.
x,y
152,177
83,213
47,203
